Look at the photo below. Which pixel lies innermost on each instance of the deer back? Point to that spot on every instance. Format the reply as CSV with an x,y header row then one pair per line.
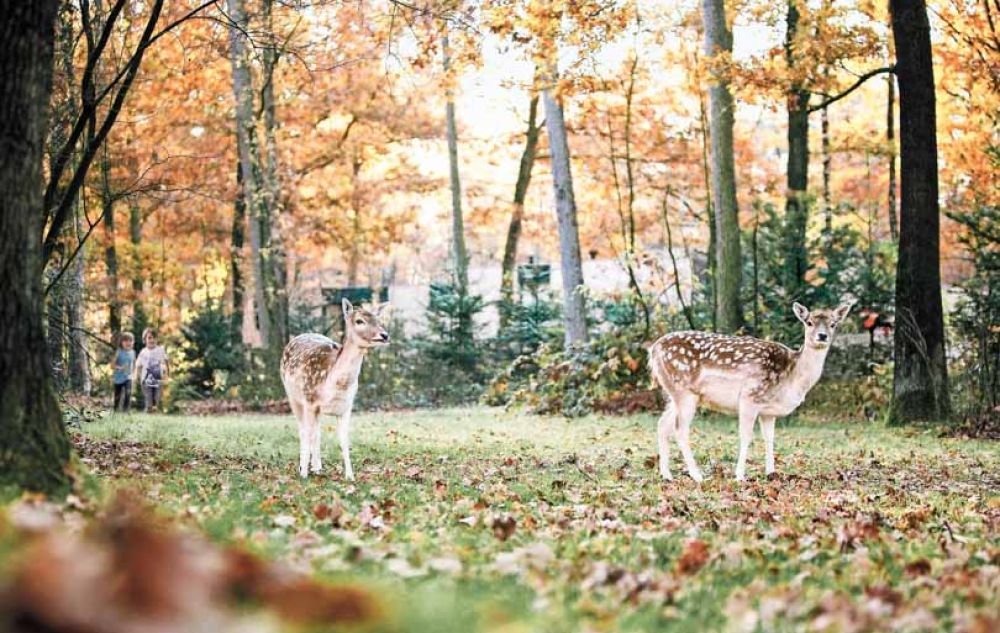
x,y
686,359
306,363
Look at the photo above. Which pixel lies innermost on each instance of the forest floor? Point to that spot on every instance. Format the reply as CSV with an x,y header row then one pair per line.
x,y
478,519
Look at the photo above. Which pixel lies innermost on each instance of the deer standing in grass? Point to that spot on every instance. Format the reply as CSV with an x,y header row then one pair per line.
x,y
321,374
737,374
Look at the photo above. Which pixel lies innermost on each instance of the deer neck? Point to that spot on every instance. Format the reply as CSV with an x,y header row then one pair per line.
x,y
808,366
349,361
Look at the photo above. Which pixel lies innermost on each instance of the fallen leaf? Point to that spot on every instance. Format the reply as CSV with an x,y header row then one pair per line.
x,y
503,527
694,556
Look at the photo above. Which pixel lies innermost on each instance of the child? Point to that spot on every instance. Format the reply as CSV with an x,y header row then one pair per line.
x,y
151,368
122,366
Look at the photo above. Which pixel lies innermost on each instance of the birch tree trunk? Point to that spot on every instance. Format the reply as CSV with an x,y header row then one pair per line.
x,y
574,308
461,261
729,265
709,208
248,150
796,204
34,449
920,378
517,211
276,288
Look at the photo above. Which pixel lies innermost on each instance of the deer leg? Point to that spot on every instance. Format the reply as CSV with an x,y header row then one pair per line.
x,y
748,415
296,408
767,431
686,408
315,459
305,439
665,429
344,433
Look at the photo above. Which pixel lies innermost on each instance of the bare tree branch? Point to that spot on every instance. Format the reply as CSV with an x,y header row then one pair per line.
x,y
857,84
60,212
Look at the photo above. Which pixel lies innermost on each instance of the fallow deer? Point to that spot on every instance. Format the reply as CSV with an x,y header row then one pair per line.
x,y
320,374
737,374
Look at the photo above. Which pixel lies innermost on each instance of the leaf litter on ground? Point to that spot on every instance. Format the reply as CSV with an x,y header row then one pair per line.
x,y
566,526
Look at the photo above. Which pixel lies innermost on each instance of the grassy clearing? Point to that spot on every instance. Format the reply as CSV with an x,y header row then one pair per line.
x,y
476,519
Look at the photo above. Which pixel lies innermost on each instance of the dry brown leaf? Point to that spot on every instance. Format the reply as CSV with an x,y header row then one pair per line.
x,y
694,556
503,527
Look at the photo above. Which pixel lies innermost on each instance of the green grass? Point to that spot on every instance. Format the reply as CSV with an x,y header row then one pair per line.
x,y
837,541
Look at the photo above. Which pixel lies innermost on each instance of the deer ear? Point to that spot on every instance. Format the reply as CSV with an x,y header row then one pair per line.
x,y
801,312
348,307
840,312
383,309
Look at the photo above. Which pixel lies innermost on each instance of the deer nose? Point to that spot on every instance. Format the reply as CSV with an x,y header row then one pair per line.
x,y
822,336
384,337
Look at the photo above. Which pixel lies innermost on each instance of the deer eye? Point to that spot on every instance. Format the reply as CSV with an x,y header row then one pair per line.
x,y
358,322
809,322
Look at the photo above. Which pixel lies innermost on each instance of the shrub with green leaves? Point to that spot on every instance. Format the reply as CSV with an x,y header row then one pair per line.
x,y
450,337
843,262
212,362
529,323
976,323
609,373
443,365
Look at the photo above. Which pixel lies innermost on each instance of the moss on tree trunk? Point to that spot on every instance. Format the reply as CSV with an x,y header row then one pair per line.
x,y
34,448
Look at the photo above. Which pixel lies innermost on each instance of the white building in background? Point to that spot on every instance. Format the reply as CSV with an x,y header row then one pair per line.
x,y
601,276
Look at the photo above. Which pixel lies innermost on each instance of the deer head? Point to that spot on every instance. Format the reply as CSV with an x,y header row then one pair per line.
x,y
821,324
362,325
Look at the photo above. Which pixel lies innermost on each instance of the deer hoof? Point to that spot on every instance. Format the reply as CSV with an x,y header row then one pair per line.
x,y
773,476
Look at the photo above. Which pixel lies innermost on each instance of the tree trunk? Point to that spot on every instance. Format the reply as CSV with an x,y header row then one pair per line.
x,y
354,249
139,319
796,204
34,449
250,164
517,212
630,182
79,359
461,261
729,265
920,379
56,333
236,258
110,249
709,208
890,137
574,307
277,274
63,112
685,308
827,163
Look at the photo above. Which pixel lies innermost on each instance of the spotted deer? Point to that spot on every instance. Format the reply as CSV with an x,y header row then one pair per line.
x,y
737,374
320,374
